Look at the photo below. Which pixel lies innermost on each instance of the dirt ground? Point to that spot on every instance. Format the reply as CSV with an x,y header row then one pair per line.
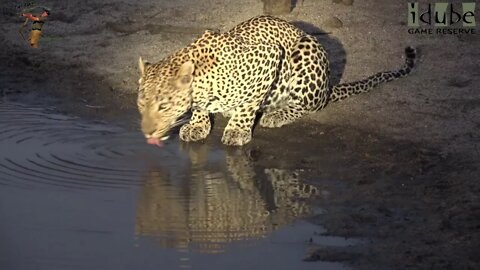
x,y
407,154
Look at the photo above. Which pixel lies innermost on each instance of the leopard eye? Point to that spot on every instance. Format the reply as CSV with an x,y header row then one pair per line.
x,y
162,106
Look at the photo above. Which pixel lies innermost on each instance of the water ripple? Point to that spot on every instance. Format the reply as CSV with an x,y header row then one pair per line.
x,y
41,147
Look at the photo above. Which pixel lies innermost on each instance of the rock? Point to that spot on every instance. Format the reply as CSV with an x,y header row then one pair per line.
x,y
459,82
333,22
345,2
277,7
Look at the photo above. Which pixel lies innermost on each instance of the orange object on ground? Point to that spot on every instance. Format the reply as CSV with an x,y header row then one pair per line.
x,y
36,32
34,38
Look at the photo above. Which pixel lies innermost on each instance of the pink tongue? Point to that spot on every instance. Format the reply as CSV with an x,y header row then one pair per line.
x,y
155,141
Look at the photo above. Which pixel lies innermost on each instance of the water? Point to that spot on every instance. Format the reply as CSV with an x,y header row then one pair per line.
x,y
77,194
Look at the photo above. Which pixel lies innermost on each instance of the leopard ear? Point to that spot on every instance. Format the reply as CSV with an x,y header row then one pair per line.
x,y
185,74
142,65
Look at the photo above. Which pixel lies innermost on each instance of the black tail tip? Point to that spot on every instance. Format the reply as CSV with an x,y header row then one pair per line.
x,y
411,55
411,52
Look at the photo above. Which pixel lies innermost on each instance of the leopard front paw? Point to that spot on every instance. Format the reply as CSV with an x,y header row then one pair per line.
x,y
191,133
236,137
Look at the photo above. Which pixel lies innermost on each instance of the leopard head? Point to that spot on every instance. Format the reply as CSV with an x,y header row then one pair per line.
x,y
164,95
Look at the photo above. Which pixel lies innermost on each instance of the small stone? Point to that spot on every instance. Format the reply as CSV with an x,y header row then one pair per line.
x,y
277,7
333,22
459,82
345,2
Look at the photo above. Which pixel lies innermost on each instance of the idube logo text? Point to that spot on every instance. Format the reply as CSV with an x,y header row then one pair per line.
x,y
441,18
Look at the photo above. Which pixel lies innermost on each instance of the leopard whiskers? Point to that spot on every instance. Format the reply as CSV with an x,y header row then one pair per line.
x,y
181,121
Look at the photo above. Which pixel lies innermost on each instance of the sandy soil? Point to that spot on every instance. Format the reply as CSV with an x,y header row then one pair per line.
x,y
407,154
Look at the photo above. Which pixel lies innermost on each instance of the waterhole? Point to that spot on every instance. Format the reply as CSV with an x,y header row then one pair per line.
x,y
78,194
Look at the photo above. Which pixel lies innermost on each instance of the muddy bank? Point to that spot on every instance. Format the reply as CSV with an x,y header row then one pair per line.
x,y
416,204
400,164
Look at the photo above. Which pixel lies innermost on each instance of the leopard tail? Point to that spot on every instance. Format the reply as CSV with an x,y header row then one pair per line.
x,y
344,90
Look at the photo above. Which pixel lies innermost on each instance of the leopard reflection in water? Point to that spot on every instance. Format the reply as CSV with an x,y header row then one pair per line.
x,y
219,200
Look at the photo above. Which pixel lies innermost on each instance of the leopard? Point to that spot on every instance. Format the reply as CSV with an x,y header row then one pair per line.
x,y
221,196
263,71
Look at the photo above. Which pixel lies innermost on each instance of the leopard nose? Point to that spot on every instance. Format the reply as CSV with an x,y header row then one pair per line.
x,y
148,129
149,134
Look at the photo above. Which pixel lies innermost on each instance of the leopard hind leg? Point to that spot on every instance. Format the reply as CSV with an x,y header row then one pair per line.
x,y
307,85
